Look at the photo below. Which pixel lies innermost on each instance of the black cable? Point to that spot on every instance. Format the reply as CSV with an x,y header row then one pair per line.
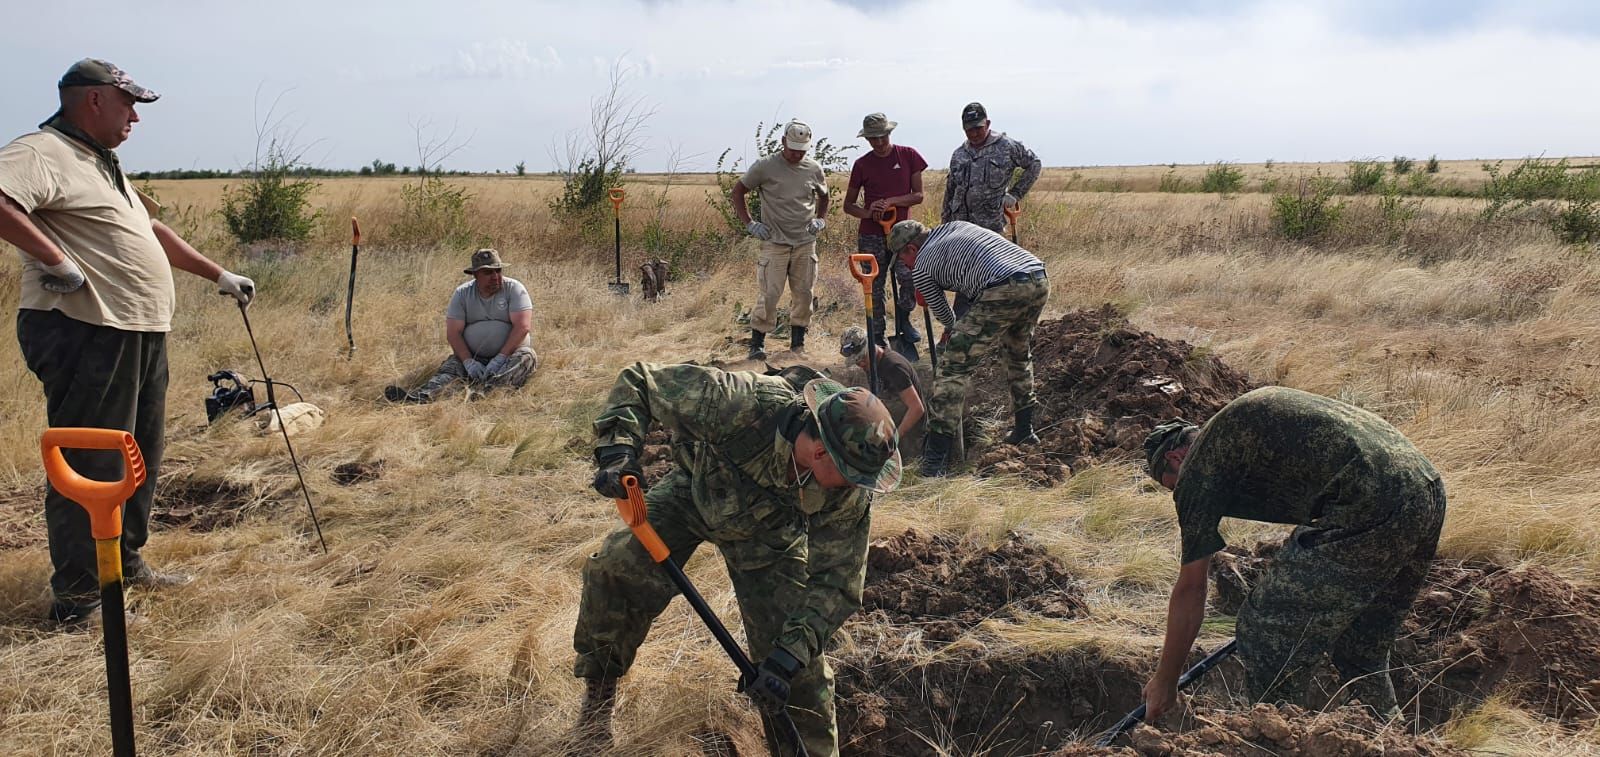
x,y
273,401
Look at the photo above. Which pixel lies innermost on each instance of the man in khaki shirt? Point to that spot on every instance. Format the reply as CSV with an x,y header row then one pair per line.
x,y
794,202
96,303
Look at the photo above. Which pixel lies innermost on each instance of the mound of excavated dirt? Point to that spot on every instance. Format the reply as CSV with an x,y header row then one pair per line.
x,y
1478,629
1103,385
944,586
1284,730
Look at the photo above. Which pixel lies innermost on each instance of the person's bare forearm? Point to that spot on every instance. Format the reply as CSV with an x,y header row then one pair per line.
x,y
454,336
822,204
21,232
182,256
739,209
1185,610
914,411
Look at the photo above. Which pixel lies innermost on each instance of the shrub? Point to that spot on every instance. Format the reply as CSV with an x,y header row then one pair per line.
x,y
1172,182
833,158
435,212
1222,177
1396,210
273,203
1578,222
1402,164
1363,176
584,188
1308,212
1508,193
1433,164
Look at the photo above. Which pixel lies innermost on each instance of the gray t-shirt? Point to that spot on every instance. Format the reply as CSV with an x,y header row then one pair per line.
x,y
489,320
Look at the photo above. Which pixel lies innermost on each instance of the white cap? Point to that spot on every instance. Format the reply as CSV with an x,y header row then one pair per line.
x,y
797,136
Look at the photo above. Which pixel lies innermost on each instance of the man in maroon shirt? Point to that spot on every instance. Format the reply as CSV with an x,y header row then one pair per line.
x,y
891,176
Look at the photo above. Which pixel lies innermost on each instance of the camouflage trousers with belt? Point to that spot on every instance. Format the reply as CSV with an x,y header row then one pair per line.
x,y
452,376
1003,317
1344,590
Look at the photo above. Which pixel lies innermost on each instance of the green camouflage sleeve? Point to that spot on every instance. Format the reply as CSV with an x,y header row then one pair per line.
x,y
693,402
1031,168
836,546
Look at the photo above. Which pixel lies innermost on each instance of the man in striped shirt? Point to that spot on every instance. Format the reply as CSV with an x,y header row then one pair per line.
x,y
1007,288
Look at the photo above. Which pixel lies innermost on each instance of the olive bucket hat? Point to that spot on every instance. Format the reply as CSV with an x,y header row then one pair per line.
x,y
858,433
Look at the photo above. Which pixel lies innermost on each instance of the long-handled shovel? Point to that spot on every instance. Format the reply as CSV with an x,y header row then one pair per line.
x,y
1012,214
1193,674
900,343
634,512
864,266
103,501
616,196
350,295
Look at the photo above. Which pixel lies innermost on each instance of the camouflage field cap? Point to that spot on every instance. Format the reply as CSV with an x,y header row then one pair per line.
x,y
973,115
1165,438
902,233
858,433
93,72
852,341
484,258
876,125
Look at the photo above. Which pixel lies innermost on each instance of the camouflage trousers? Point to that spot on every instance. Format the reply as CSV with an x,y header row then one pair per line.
x,y
1003,316
624,591
905,305
1344,590
99,377
452,376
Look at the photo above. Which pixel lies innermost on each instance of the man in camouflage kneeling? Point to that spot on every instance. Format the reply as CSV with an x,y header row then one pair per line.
x,y
1007,288
780,479
1368,509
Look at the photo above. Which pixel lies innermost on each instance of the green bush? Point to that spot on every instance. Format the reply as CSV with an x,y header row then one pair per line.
x,y
1402,164
435,213
1308,212
1172,182
1222,177
769,140
273,203
1433,164
1578,222
1508,193
1396,210
585,188
1363,176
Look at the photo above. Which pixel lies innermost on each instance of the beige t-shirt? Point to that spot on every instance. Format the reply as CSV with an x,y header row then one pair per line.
x,y
66,191
788,195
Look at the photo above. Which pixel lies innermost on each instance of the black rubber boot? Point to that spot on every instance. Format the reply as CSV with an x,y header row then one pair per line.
x,y
935,455
758,345
903,328
593,728
1022,434
797,339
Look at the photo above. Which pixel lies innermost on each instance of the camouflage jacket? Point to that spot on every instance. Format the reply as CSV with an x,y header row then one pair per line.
x,y
979,179
1280,455
733,435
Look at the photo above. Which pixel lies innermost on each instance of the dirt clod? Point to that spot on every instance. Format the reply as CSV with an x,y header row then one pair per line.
x,y
351,473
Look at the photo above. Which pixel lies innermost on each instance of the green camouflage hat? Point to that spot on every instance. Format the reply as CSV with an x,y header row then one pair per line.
x,y
858,433
852,341
484,258
902,233
93,72
1165,438
876,125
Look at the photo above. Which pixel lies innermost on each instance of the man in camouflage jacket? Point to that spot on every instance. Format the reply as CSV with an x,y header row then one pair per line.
x,y
979,188
1368,509
779,480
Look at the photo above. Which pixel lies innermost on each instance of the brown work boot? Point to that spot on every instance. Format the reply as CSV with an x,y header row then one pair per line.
x,y
593,729
150,579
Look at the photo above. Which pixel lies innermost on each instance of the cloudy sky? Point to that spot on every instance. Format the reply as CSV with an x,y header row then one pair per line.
x,y
1083,82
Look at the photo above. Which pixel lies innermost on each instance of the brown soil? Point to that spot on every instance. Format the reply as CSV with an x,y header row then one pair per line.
x,y
1102,386
201,504
1478,629
944,586
657,458
352,473
1267,730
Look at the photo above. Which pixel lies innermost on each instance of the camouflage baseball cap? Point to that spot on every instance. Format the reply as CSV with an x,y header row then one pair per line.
x,y
902,233
973,115
484,258
858,433
852,341
93,72
876,125
1165,438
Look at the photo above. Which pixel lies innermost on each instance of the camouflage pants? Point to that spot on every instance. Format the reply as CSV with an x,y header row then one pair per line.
x,y
452,376
99,377
1344,590
624,591
1002,316
905,305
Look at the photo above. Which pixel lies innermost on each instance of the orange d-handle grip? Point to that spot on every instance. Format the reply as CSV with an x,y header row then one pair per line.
x,y
1012,213
616,196
103,499
633,512
864,266
886,220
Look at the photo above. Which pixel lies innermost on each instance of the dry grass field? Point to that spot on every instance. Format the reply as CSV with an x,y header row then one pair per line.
x,y
441,621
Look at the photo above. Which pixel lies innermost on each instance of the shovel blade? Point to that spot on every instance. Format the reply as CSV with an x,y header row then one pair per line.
x,y
618,287
907,347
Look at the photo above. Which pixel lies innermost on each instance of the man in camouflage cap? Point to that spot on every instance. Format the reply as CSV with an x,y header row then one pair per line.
x,y
978,189
1367,507
780,480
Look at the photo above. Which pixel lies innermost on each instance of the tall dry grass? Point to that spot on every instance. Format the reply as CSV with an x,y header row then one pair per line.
x,y
441,622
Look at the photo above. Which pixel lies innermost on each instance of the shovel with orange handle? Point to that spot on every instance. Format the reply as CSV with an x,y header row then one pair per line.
x,y
616,196
886,219
1012,214
103,501
635,513
864,266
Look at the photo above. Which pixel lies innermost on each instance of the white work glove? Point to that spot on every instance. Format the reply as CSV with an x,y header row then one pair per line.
x,y
496,366
815,226
1008,202
241,288
758,230
475,369
63,277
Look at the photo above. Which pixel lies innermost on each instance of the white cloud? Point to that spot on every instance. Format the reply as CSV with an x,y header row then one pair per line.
x,y
499,59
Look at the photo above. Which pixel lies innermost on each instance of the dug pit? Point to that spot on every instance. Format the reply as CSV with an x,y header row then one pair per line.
x,y
205,504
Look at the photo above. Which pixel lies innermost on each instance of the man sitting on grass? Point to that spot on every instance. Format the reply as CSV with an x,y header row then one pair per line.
x,y
487,325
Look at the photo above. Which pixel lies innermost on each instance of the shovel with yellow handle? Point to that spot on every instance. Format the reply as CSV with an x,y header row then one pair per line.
x,y
864,266
103,500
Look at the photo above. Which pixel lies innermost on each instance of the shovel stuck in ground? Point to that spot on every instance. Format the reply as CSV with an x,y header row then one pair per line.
x,y
1012,215
616,196
900,342
635,513
864,266
1193,674
103,501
